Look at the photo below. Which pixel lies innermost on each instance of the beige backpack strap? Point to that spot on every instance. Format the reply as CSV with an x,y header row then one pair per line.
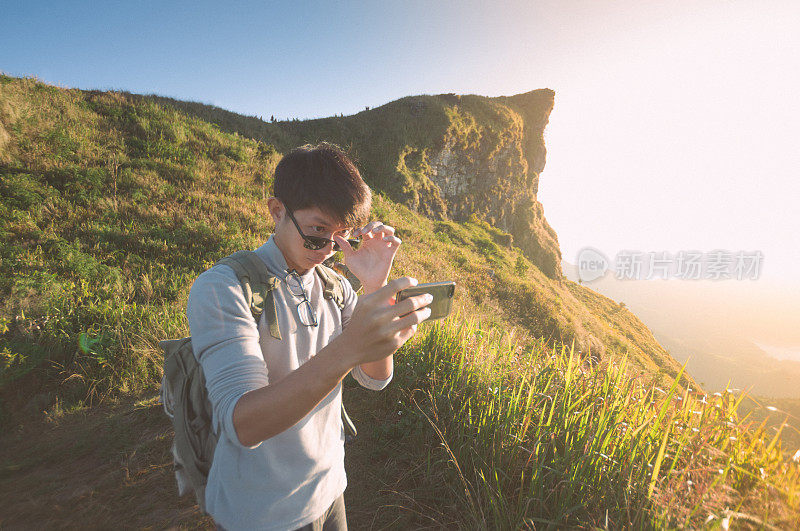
x,y
333,290
332,285
257,285
343,270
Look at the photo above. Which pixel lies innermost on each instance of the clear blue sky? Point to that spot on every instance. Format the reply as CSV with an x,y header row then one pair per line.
x,y
676,126
291,59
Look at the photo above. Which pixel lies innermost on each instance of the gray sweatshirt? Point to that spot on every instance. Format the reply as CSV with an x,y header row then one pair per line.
x,y
290,479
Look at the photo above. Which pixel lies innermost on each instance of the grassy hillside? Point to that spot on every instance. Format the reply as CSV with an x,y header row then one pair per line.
x,y
446,156
111,205
478,431
524,437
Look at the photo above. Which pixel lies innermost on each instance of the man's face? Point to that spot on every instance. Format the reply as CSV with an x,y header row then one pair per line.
x,y
313,222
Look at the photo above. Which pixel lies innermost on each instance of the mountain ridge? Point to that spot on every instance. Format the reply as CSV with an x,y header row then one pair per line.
x,y
114,203
446,156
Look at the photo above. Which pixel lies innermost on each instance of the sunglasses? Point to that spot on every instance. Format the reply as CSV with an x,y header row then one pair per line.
x,y
315,243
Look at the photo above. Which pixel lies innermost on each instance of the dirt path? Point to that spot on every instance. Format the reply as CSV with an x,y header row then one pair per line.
x,y
110,467
104,467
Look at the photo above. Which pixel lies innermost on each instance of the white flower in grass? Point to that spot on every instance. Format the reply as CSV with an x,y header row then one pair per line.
x,y
733,438
721,471
763,474
772,408
689,483
796,457
725,524
696,430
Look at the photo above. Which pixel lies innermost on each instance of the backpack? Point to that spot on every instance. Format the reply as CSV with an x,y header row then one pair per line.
x,y
183,388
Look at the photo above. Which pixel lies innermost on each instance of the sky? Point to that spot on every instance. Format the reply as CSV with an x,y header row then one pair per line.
x,y
676,124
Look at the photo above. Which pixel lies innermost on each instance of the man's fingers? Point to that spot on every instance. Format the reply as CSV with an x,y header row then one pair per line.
x,y
414,318
412,303
343,244
405,335
392,287
386,229
366,229
373,229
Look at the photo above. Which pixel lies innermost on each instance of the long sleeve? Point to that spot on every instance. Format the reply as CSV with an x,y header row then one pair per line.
x,y
364,380
367,382
225,340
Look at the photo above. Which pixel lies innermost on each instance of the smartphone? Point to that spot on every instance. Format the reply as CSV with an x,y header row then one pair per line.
x,y
442,297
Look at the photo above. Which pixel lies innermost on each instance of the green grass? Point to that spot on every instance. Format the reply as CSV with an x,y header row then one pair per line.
x,y
112,206
110,210
526,436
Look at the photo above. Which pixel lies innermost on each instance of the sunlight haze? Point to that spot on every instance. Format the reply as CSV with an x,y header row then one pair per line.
x,y
675,124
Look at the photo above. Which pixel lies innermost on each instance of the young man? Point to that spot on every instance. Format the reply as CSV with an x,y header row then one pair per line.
x,y
279,462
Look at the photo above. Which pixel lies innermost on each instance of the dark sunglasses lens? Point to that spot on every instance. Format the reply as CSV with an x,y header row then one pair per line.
x,y
314,243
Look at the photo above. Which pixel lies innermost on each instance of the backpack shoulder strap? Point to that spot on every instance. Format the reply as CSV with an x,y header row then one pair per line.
x,y
333,289
332,285
257,285
343,270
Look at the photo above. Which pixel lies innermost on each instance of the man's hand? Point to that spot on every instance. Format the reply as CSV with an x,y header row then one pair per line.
x,y
372,261
378,326
375,331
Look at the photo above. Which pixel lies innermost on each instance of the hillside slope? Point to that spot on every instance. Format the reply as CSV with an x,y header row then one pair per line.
x,y
446,157
112,205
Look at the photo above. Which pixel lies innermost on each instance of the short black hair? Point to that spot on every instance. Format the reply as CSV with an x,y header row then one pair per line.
x,y
323,176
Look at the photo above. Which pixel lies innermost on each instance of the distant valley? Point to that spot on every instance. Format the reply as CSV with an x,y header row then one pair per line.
x,y
742,332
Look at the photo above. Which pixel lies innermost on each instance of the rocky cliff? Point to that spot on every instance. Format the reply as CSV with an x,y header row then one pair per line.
x,y
445,156
493,173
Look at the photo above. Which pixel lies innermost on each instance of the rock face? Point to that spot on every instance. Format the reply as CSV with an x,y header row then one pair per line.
x,y
488,167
